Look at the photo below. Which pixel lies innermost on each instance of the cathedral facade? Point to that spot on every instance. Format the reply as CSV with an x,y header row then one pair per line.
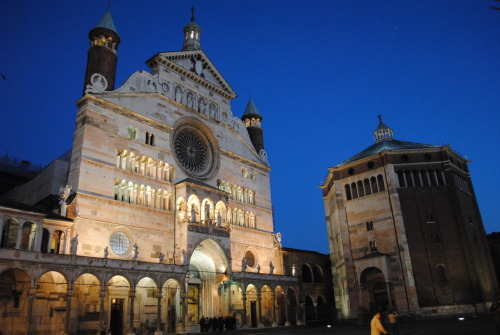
x,y
405,232
165,215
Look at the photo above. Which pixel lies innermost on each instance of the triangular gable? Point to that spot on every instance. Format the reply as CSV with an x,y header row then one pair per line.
x,y
196,66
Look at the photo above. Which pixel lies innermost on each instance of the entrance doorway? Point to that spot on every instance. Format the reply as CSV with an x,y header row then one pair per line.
x,y
253,313
116,318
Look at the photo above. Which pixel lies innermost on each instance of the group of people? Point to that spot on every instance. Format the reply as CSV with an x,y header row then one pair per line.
x,y
378,329
217,323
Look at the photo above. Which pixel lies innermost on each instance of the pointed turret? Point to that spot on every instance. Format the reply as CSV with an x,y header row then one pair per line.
x,y
383,132
192,33
102,57
252,120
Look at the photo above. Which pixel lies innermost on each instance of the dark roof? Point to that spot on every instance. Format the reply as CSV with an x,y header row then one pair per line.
x,y
386,145
197,182
28,208
303,251
251,109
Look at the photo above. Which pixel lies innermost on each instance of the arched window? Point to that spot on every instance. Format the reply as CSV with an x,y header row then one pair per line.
x,y
373,181
441,274
368,190
348,192
354,191
373,245
381,185
307,276
401,179
361,191
152,140
317,274
9,234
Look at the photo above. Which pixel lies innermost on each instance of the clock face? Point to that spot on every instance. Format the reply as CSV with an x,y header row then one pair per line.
x,y
195,151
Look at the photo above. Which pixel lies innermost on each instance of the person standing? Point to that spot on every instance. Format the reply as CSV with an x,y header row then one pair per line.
x,y
393,322
376,326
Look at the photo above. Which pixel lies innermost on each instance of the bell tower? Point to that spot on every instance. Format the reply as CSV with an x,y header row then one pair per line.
x,y
192,33
252,120
102,57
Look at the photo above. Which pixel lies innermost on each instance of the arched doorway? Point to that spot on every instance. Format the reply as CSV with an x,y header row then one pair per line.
x,y
310,309
118,290
374,290
87,304
279,294
146,306
50,304
14,288
267,317
321,311
291,302
208,268
172,297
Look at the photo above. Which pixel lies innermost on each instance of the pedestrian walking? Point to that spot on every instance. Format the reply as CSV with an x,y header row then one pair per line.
x,y
393,322
376,326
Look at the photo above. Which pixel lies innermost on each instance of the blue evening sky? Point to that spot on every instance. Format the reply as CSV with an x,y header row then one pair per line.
x,y
318,71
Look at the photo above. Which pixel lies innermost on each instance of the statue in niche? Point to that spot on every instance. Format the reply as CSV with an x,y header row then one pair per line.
x,y
184,257
193,213
271,267
106,252
136,252
74,244
243,264
190,101
202,106
213,110
161,256
258,268
219,220
178,95
207,212
294,270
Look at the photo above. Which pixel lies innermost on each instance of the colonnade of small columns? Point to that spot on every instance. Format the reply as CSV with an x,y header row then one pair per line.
x,y
144,165
128,191
35,238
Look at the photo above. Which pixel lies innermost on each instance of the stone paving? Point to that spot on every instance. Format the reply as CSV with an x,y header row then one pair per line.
x,y
483,325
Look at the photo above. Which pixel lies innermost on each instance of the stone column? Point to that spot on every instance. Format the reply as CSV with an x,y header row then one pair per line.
x,y
184,297
131,316
29,320
287,322
158,316
388,292
69,295
259,310
244,315
275,324
101,310
2,221
19,233
67,240
39,236
299,310
49,240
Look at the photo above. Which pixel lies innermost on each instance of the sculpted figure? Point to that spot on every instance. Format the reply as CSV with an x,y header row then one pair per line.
x,y
258,268
161,256
136,252
243,264
294,270
271,267
106,252
193,213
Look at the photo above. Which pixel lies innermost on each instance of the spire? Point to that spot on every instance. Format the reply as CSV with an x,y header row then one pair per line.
x,y
383,132
107,22
192,33
251,111
252,120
